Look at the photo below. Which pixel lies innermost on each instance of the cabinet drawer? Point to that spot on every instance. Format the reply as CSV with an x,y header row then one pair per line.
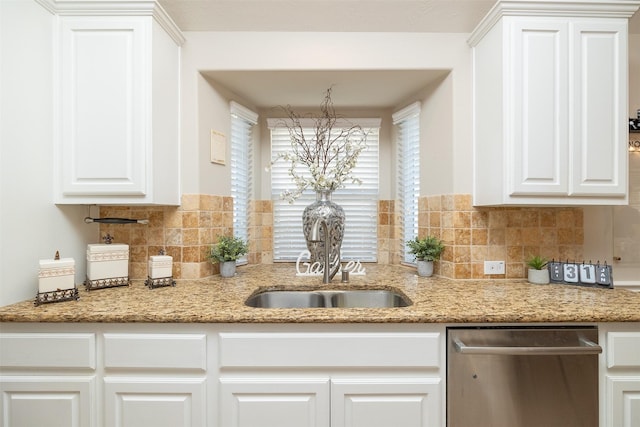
x,y
330,349
41,350
155,351
623,349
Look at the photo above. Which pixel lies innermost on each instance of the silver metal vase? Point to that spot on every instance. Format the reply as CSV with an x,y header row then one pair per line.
x,y
334,216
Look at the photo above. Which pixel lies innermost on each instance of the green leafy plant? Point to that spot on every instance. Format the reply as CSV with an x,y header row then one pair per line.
x,y
228,248
426,249
537,262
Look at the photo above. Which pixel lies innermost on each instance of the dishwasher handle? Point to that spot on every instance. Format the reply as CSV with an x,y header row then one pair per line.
x,y
587,347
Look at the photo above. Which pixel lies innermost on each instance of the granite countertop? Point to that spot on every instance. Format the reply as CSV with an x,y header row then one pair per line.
x,y
435,300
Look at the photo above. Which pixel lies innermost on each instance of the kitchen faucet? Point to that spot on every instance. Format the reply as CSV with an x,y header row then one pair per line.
x,y
321,223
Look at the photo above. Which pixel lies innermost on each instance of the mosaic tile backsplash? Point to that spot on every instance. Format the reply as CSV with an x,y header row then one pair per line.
x,y
471,235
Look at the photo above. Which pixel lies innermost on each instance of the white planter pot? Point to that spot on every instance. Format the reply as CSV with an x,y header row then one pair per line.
x,y
227,268
538,277
425,268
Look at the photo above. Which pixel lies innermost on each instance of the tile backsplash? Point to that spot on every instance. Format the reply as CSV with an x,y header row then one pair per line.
x,y
510,234
471,235
185,232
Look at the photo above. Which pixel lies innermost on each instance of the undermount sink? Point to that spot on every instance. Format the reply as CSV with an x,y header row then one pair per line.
x,y
369,298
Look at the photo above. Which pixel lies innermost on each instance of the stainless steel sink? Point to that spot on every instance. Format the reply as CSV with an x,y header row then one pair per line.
x,y
286,299
369,298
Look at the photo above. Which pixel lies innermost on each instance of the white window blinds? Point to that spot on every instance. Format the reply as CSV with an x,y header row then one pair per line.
x,y
360,202
407,121
242,121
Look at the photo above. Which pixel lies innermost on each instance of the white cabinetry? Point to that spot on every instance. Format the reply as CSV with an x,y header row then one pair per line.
x,y
50,400
173,396
621,376
132,375
48,379
118,101
550,104
281,402
337,379
378,402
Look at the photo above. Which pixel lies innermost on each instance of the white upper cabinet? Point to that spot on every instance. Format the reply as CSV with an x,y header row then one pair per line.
x,y
118,72
550,104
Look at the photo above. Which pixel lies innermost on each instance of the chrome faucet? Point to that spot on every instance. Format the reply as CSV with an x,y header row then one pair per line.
x,y
319,224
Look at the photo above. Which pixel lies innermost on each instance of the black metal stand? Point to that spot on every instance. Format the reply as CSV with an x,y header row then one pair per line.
x,y
57,296
106,283
159,283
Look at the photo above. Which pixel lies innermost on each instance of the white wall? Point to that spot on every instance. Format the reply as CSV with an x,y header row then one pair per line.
x,y
599,220
31,226
437,148
213,114
634,74
208,51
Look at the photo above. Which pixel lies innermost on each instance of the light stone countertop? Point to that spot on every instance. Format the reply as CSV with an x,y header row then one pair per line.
x,y
435,300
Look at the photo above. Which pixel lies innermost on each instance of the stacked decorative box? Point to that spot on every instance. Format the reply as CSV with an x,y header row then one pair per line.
x,y
107,265
56,280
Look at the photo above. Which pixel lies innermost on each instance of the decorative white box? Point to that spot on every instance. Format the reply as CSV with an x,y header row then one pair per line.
x,y
107,261
160,266
56,274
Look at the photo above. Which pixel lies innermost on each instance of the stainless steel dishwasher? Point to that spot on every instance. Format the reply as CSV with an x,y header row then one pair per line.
x,y
522,377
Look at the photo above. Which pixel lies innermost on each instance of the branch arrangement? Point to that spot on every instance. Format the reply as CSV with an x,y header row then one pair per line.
x,y
330,153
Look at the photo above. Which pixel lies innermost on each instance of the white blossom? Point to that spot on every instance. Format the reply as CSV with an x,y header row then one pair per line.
x,y
330,155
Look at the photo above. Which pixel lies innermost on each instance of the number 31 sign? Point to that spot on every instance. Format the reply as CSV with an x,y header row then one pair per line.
x,y
594,275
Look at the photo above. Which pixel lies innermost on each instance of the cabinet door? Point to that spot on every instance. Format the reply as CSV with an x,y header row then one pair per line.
x,y
274,403
599,107
537,117
386,403
624,401
47,401
103,64
166,402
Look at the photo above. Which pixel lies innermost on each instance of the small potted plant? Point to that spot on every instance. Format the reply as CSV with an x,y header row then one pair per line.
x,y
426,251
226,252
538,273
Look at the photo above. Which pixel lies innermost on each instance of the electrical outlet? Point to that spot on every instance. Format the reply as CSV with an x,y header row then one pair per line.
x,y
494,267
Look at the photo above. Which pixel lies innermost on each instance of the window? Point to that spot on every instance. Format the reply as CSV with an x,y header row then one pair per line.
x,y
242,121
360,202
407,121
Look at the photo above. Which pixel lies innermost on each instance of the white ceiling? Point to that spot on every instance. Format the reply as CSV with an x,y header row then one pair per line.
x,y
356,89
327,15
450,16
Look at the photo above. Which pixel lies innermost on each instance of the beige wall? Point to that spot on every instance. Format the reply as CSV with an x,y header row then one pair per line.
x,y
206,51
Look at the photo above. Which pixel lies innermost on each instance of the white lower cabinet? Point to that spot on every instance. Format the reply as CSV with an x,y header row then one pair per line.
x,y
324,402
253,375
52,401
47,379
157,402
409,402
343,376
624,401
274,402
155,379
621,379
